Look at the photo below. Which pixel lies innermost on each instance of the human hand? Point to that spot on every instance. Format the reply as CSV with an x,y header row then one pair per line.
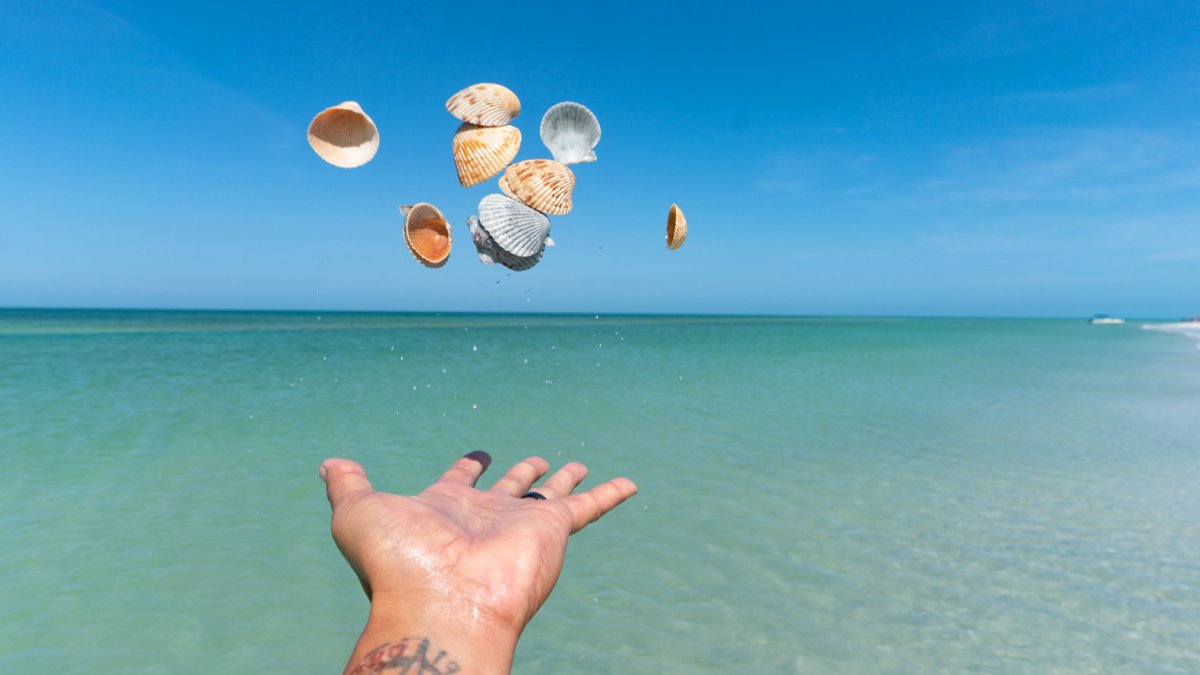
x,y
455,567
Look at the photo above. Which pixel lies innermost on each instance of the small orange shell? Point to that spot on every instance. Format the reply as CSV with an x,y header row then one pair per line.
x,y
427,234
544,184
483,152
344,135
676,227
485,104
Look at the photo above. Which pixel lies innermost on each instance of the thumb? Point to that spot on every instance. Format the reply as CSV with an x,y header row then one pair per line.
x,y
344,479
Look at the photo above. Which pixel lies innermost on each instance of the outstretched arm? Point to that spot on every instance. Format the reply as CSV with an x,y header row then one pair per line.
x,y
455,573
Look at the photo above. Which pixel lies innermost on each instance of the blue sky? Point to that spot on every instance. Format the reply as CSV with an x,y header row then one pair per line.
x,y
956,158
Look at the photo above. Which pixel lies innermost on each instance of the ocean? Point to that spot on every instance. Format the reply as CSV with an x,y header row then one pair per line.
x,y
817,495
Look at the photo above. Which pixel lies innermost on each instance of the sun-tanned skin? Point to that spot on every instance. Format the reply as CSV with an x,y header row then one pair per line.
x,y
455,573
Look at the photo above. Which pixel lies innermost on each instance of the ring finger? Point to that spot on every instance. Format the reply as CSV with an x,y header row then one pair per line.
x,y
564,481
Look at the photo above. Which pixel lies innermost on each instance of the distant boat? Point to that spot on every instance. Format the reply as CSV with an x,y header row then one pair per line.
x,y
1105,320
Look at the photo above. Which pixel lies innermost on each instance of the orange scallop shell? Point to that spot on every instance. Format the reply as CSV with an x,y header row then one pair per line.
x,y
485,104
427,234
483,152
676,227
543,184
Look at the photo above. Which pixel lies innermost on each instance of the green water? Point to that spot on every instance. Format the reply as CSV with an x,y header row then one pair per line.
x,y
817,495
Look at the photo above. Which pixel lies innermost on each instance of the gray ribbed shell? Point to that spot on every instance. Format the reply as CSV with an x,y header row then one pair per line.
x,y
570,131
515,227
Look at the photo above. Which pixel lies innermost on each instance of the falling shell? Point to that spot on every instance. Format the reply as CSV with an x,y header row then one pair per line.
x,y
483,152
485,104
344,135
427,234
676,227
514,227
544,184
571,132
490,253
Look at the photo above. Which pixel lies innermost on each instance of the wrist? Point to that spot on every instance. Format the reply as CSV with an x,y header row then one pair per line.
x,y
432,640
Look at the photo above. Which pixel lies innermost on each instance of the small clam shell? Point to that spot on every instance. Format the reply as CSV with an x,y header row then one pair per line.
x,y
427,234
514,227
571,132
485,104
676,227
483,152
344,135
544,184
490,253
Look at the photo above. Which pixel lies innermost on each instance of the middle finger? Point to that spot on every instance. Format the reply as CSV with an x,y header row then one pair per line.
x,y
521,476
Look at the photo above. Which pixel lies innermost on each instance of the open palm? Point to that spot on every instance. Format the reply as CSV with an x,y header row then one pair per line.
x,y
481,555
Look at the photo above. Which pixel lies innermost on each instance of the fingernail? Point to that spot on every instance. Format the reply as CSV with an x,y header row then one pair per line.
x,y
323,471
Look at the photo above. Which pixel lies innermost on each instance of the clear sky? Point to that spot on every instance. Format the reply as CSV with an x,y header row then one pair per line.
x,y
957,158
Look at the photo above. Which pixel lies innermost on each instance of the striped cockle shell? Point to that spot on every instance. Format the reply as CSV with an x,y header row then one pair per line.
x,y
427,234
676,227
490,253
483,152
485,104
544,184
571,132
344,135
514,227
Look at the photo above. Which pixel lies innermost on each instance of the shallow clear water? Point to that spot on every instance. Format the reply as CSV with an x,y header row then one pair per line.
x,y
817,495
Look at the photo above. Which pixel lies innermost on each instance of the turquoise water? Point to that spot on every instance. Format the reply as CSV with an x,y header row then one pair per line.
x,y
817,495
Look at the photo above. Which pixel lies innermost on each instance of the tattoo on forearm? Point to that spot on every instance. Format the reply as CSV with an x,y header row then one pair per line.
x,y
410,656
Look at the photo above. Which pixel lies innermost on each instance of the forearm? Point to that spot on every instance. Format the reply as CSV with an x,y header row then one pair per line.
x,y
398,643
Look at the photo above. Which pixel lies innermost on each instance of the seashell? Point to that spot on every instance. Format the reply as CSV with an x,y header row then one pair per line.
x,y
344,135
485,104
483,152
503,183
571,132
427,234
544,184
676,227
490,253
514,227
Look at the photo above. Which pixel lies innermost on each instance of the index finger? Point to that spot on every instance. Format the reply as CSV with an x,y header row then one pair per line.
x,y
587,507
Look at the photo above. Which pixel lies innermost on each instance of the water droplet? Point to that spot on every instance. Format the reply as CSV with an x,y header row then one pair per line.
x,y
474,407
443,371
526,360
474,348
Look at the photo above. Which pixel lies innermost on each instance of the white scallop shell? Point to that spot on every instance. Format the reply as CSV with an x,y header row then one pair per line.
x,y
344,135
490,253
515,227
571,132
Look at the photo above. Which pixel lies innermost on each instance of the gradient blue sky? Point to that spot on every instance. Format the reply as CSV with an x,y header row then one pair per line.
x,y
958,158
